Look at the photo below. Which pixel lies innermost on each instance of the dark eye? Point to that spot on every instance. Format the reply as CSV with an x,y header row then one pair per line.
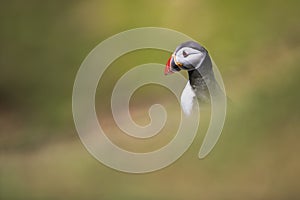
x,y
184,54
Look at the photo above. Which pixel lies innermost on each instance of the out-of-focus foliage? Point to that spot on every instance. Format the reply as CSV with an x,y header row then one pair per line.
x,y
256,45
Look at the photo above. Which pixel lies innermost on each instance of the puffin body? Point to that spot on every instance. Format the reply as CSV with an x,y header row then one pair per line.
x,y
194,58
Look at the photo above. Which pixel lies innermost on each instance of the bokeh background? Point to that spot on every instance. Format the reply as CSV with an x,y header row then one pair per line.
x,y
256,45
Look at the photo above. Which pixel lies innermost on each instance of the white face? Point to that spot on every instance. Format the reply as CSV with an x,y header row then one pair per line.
x,y
190,58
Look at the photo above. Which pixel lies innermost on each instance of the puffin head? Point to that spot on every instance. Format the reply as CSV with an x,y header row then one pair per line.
x,y
187,56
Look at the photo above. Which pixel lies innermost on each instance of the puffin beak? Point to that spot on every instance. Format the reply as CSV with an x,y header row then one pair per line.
x,y
168,69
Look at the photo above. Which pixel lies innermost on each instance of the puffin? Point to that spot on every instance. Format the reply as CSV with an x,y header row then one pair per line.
x,y
195,59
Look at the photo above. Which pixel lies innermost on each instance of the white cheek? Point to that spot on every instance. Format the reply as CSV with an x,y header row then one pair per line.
x,y
193,59
181,59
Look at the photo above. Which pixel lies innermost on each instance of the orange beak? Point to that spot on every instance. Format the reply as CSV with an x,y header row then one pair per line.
x,y
168,69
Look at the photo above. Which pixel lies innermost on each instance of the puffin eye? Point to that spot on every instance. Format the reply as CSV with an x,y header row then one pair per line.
x,y
184,54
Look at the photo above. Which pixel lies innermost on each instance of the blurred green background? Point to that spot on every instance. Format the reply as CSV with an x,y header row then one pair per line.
x,y
256,45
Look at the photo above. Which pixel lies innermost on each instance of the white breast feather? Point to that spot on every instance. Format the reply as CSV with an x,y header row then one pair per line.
x,y
187,99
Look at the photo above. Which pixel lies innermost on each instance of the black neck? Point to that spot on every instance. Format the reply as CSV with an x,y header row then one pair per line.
x,y
204,70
